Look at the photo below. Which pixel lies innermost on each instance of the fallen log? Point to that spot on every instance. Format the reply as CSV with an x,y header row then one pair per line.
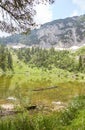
x,y
42,89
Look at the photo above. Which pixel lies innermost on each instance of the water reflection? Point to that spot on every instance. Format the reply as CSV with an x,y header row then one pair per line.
x,y
5,83
13,86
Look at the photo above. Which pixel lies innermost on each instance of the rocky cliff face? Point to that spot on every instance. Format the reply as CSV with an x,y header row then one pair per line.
x,y
62,33
59,33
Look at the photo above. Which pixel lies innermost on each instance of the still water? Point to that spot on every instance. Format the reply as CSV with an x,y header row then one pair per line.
x,y
20,85
11,85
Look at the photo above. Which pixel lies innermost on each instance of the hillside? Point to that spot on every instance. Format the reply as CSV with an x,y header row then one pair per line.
x,y
64,33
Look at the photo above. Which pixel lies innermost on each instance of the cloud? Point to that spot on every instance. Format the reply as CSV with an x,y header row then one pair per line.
x,y
74,13
43,13
80,4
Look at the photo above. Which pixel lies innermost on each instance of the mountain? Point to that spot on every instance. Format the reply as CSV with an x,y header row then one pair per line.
x,y
63,33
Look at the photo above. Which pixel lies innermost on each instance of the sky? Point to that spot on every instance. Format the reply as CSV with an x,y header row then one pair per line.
x,y
59,10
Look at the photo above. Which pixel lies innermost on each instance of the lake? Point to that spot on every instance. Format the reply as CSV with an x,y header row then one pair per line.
x,y
21,88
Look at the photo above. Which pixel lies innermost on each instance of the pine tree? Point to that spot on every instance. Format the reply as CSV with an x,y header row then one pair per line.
x,y
80,62
10,62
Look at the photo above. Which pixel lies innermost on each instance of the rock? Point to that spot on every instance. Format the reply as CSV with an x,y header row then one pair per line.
x,y
11,98
57,103
57,106
7,107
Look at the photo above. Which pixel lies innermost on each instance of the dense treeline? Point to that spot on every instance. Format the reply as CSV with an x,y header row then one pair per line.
x,y
48,58
5,58
42,58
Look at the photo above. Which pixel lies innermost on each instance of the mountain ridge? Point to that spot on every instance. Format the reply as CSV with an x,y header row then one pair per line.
x,y
61,33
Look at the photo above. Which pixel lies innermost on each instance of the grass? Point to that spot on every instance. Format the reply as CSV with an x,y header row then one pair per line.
x,y
72,118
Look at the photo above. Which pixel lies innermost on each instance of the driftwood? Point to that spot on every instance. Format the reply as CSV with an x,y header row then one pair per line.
x,y
42,89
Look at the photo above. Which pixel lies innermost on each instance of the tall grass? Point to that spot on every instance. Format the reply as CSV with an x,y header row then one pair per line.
x,y
72,118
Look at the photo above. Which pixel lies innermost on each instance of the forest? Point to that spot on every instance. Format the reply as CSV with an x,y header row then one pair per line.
x,y
6,61
43,58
